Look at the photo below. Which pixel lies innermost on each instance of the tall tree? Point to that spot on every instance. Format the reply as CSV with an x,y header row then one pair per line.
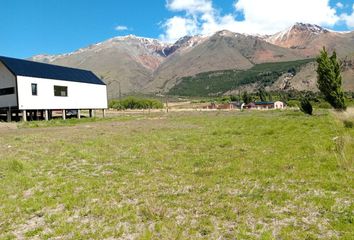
x,y
329,79
262,94
246,98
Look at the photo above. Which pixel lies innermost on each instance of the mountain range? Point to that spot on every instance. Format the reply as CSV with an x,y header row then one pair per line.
x,y
132,64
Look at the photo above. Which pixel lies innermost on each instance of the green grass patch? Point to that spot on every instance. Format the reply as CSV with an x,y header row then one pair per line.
x,y
195,175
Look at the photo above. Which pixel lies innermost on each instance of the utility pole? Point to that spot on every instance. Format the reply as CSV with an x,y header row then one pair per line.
x,y
166,103
120,92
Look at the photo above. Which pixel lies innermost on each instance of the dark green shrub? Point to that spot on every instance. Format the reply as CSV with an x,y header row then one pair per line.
x,y
226,99
306,106
348,124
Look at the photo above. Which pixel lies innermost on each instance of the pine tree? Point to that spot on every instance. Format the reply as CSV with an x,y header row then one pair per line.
x,y
246,98
262,94
329,79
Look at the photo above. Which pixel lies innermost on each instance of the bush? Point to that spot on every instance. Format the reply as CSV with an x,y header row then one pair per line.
x,y
324,105
293,103
226,99
306,106
116,104
135,103
235,98
348,124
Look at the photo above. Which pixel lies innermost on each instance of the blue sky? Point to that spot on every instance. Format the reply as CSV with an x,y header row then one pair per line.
x,y
30,27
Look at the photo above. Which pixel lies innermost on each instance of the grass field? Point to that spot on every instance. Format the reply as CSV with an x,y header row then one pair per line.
x,y
198,175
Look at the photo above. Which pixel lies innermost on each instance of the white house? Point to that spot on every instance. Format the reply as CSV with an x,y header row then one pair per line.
x,y
29,87
278,105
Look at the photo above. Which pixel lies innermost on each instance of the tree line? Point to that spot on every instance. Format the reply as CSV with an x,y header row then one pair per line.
x,y
135,103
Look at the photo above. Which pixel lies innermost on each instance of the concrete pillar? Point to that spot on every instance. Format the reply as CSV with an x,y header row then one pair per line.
x,y
92,113
9,115
46,115
64,114
103,113
79,114
24,115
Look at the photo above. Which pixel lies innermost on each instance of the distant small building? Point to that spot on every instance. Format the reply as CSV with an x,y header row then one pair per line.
x,y
265,105
223,106
251,105
211,106
278,105
238,105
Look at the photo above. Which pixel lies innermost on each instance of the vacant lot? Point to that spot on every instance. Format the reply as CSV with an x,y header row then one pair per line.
x,y
219,175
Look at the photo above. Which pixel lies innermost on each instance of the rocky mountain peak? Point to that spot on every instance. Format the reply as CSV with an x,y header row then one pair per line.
x,y
132,39
309,28
184,43
183,40
296,33
225,33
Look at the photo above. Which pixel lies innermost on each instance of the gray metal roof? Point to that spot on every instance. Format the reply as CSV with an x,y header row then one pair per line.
x,y
27,68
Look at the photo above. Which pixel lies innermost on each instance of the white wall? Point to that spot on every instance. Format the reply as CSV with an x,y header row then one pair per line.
x,y
80,95
278,105
7,80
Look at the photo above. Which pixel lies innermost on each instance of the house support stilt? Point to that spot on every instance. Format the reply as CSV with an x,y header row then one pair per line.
x,y
24,115
9,115
92,113
46,115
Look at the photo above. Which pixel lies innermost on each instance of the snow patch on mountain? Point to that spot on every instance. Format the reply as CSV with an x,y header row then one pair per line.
x,y
295,29
141,46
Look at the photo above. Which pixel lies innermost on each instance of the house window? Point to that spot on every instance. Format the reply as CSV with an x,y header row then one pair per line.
x,y
60,91
7,91
34,89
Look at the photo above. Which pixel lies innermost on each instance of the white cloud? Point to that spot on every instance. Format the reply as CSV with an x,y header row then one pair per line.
x,y
348,19
274,15
260,16
190,6
339,5
177,27
121,28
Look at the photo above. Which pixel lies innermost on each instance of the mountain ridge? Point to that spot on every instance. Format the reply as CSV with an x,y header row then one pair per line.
x,y
138,64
